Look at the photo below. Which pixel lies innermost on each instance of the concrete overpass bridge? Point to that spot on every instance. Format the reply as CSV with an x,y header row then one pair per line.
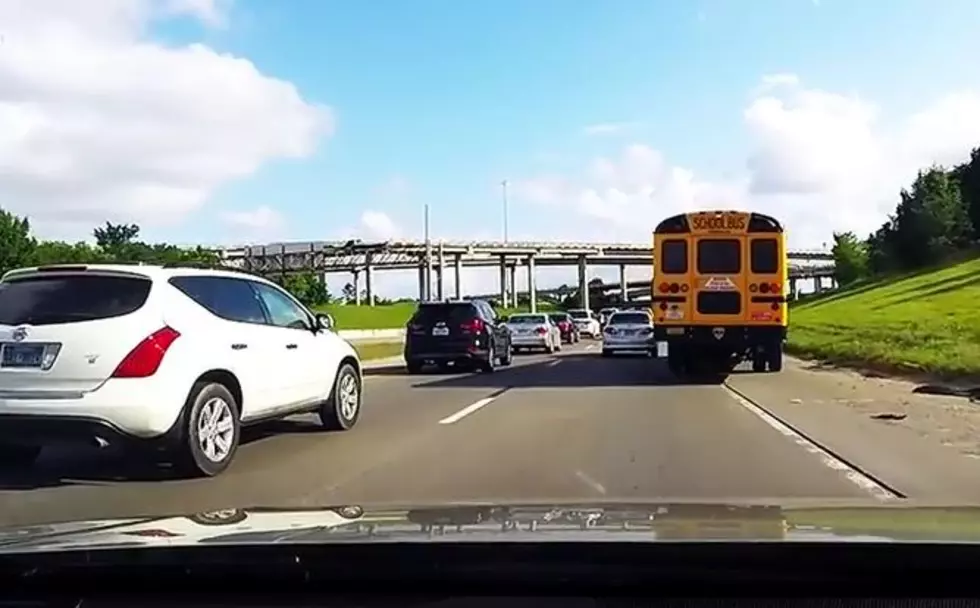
x,y
434,259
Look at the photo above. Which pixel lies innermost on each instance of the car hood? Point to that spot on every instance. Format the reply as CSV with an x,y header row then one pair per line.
x,y
644,522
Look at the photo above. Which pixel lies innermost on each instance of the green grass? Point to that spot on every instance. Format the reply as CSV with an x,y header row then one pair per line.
x,y
931,522
928,321
378,350
385,317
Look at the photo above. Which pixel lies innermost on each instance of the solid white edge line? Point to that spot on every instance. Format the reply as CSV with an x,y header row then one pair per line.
x,y
826,458
466,411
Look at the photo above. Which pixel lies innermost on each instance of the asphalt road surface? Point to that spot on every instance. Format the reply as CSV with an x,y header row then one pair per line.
x,y
569,426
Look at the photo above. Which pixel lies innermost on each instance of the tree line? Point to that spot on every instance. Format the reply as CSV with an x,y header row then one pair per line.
x,y
936,219
120,244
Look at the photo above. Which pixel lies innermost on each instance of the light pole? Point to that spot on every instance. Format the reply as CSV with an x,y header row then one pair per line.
x,y
503,186
428,258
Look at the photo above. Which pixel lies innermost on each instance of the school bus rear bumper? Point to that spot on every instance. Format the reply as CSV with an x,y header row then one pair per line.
x,y
727,335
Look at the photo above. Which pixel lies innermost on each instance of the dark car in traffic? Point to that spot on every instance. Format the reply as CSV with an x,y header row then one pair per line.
x,y
466,334
566,325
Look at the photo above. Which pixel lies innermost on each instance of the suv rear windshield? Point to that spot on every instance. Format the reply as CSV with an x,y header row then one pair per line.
x,y
527,319
629,318
579,314
447,313
52,299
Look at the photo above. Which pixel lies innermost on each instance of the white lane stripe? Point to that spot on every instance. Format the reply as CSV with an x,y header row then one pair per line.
x,y
826,458
466,411
554,363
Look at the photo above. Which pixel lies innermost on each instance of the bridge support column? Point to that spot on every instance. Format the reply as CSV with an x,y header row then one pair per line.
x,y
458,269
356,282
512,280
583,282
503,281
531,285
793,289
441,275
369,279
421,283
817,284
624,291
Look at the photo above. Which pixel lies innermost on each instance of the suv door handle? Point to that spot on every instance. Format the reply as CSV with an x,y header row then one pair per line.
x,y
239,346
291,346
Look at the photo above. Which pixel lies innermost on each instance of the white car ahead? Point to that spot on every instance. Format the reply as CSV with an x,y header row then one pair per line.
x,y
161,358
530,330
586,322
629,331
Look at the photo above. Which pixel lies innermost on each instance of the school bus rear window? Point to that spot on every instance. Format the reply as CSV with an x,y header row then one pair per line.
x,y
765,256
719,256
673,258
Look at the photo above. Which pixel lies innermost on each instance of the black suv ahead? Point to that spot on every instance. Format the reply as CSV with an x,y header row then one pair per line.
x,y
465,333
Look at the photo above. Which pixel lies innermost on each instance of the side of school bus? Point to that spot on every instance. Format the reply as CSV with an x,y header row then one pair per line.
x,y
718,297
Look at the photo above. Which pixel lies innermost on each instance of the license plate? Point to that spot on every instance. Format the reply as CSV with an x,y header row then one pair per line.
x,y
21,355
440,331
675,331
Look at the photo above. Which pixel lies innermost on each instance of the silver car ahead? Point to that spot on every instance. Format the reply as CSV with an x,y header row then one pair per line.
x,y
529,331
629,331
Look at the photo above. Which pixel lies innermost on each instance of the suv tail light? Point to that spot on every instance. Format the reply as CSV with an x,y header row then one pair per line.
x,y
541,331
473,326
144,360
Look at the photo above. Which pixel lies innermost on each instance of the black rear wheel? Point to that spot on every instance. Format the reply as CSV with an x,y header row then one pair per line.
x,y
774,357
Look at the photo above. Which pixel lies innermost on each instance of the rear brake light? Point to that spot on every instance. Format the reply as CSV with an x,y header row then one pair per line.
x,y
144,360
541,331
764,287
774,288
664,287
473,326
674,288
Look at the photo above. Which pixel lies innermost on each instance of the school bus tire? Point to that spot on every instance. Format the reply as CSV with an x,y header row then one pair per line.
x,y
758,362
774,357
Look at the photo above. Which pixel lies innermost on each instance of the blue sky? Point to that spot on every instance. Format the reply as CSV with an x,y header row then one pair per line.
x,y
437,101
451,97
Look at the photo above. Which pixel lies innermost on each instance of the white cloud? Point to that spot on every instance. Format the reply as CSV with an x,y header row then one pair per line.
x,y
378,225
213,13
98,122
819,160
260,218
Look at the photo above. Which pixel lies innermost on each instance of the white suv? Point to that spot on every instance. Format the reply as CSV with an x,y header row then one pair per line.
x,y
162,357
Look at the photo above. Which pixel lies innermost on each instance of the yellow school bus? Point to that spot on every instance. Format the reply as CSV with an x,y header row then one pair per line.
x,y
719,280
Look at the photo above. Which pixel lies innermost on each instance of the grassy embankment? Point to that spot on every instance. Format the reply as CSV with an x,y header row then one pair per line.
x,y
392,316
925,322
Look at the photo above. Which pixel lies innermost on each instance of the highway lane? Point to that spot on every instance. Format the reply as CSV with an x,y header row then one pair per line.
x,y
563,427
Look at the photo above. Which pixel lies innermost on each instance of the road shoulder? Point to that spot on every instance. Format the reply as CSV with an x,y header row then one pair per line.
x,y
925,447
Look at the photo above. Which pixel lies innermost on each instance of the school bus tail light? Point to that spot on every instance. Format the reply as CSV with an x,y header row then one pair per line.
x,y
774,288
753,288
764,287
674,288
663,306
664,287
684,288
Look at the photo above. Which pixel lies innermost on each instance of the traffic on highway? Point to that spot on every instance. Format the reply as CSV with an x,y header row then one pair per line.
x,y
141,390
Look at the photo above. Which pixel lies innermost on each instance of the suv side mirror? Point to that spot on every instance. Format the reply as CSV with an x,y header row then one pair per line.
x,y
325,321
